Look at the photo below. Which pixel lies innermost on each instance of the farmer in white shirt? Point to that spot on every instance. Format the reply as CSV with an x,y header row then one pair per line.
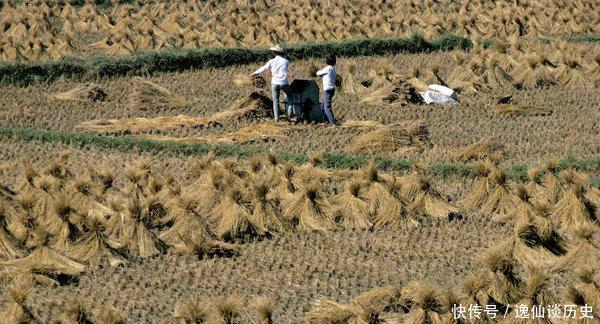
x,y
328,74
279,73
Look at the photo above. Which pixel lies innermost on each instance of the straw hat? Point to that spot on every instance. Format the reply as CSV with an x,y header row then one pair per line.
x,y
276,48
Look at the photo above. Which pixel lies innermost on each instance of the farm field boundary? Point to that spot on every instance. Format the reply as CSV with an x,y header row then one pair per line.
x,y
23,73
516,172
178,60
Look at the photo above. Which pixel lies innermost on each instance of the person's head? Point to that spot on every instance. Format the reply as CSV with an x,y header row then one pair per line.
x,y
276,50
330,59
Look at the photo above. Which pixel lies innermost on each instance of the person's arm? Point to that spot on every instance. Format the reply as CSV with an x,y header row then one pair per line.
x,y
263,68
323,71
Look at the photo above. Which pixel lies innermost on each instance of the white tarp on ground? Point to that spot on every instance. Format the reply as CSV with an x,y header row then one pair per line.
x,y
438,94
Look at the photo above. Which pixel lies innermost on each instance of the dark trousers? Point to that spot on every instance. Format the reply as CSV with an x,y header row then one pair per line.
x,y
326,105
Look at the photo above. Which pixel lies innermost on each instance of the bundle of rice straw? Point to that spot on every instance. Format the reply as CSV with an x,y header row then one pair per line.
x,y
349,82
233,217
310,208
534,71
375,301
84,92
94,246
584,251
138,236
498,279
255,81
73,312
491,193
429,202
527,246
401,92
7,249
538,290
192,310
17,310
392,138
43,260
425,301
263,308
254,106
264,210
382,192
574,206
328,311
147,94
353,210
571,73
521,110
494,75
482,149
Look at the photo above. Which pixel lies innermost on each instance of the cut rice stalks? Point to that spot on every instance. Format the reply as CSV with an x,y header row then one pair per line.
x,y
147,94
84,92
393,138
485,148
138,125
362,125
249,134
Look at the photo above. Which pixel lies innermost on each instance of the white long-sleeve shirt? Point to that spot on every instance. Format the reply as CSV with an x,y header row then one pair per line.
x,y
279,70
328,73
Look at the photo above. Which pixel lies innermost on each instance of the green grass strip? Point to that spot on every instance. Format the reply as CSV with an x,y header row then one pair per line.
x,y
174,60
329,160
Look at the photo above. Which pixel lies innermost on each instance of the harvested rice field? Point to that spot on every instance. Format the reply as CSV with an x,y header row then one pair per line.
x,y
134,191
201,94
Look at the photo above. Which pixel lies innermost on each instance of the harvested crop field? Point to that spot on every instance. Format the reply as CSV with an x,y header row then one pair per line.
x,y
144,179
526,139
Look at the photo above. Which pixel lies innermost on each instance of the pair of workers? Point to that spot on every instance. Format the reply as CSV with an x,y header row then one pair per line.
x,y
279,66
